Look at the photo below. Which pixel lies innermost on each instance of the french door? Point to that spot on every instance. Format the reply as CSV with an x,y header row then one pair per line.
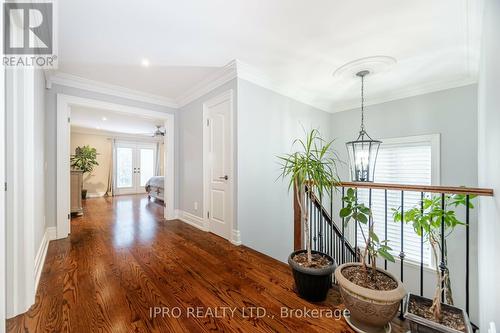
x,y
134,165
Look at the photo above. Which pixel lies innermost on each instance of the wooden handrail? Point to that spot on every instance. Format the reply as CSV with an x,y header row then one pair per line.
x,y
421,188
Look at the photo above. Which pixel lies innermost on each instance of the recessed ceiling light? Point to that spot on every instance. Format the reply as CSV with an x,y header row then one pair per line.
x,y
145,62
104,118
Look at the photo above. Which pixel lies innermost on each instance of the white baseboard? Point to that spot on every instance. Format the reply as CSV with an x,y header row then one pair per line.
x,y
95,195
236,237
50,234
192,220
200,223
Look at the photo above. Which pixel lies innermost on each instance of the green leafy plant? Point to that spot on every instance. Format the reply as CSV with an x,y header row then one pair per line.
x,y
314,165
426,220
84,159
362,215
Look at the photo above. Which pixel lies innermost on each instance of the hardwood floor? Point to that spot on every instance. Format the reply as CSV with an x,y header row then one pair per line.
x,y
123,261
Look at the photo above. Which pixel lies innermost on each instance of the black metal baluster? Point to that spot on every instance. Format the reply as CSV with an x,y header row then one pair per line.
x,y
467,217
421,247
332,222
385,223
320,220
315,227
356,227
311,222
318,231
442,266
343,231
402,253
369,217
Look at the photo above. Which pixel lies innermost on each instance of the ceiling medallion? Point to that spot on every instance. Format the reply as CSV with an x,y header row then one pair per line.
x,y
374,64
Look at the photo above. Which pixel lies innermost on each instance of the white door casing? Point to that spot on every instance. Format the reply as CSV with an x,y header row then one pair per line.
x,y
218,164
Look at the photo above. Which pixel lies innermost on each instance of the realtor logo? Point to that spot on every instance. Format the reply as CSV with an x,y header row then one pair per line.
x,y
28,34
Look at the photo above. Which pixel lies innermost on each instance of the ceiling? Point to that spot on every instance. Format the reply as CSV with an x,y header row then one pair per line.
x,y
108,121
297,44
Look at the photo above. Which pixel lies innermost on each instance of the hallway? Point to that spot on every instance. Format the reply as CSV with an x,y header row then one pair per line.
x,y
122,260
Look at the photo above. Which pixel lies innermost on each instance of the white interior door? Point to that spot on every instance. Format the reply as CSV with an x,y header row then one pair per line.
x,y
134,165
218,174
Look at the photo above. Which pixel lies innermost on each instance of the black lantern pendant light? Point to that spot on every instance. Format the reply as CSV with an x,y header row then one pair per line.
x,y
363,151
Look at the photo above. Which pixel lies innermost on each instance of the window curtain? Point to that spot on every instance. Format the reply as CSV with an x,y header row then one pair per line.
x,y
157,160
111,181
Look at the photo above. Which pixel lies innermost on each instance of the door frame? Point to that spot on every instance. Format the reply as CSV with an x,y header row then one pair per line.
x,y
64,104
3,233
234,236
137,145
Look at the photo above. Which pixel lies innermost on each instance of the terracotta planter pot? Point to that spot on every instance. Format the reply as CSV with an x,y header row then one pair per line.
x,y
370,310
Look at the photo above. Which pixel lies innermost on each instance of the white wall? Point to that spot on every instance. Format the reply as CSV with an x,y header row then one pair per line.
x,y
453,114
267,125
22,109
50,138
39,134
489,167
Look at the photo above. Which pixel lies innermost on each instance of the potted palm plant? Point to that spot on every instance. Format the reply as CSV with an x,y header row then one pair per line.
x,y
84,159
311,168
371,294
423,314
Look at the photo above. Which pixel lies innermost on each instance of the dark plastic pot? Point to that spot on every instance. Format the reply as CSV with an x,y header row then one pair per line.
x,y
84,194
312,283
422,325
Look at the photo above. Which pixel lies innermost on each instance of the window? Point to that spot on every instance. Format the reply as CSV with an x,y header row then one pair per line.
x,y
410,160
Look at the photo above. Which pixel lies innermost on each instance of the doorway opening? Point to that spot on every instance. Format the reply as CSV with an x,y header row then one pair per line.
x,y
130,147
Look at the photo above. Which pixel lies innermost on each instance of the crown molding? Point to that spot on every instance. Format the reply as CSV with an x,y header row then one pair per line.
x,y
211,82
474,10
239,69
253,75
73,81
406,93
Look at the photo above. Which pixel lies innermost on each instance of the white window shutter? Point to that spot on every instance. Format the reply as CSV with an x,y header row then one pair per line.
x,y
402,163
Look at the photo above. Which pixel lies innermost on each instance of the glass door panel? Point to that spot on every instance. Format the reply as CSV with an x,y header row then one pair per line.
x,y
147,164
124,167
134,166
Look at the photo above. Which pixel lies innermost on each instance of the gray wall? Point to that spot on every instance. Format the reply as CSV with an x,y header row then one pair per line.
x,y
489,167
267,125
191,149
453,114
50,138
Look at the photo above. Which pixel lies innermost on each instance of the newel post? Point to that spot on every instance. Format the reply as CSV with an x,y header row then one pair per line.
x,y
297,221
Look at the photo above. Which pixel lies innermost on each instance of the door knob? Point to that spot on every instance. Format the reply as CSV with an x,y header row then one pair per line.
x,y
225,177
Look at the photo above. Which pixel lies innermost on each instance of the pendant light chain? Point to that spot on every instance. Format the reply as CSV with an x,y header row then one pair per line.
x,y
362,103
362,151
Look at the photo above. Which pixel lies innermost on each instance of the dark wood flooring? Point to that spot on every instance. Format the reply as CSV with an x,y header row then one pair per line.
x,y
123,259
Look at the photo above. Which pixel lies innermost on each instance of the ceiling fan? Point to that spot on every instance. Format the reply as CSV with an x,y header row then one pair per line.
x,y
158,132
